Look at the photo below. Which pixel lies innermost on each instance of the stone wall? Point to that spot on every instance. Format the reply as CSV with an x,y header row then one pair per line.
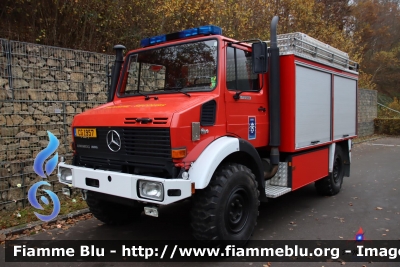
x,y
367,111
41,89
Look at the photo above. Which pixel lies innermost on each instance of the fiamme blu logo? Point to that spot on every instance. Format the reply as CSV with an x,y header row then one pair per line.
x,y
49,167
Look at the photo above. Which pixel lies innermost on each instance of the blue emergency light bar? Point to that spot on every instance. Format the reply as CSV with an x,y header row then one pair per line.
x,y
202,30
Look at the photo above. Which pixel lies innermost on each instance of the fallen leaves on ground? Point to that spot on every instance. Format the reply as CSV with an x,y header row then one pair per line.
x,y
26,216
60,224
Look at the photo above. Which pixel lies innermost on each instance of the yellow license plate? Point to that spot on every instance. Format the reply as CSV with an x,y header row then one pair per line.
x,y
85,132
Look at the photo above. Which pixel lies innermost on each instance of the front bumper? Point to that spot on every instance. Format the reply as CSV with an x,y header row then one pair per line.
x,y
125,185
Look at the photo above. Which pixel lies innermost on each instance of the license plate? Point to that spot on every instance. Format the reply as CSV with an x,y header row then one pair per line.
x,y
85,132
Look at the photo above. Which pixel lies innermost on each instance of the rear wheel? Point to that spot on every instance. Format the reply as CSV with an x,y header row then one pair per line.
x,y
111,213
227,208
332,184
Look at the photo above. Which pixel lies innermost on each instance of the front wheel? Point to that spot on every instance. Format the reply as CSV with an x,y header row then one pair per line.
x,y
331,185
227,208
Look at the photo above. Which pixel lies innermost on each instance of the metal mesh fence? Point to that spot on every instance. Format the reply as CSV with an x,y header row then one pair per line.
x,y
41,89
43,73
5,75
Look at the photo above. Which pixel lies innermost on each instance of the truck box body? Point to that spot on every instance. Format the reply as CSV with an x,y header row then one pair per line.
x,y
318,96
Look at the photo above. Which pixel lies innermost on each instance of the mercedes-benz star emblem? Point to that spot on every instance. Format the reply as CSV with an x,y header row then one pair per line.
x,y
113,141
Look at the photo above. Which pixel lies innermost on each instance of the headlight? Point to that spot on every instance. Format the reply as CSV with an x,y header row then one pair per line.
x,y
65,175
151,190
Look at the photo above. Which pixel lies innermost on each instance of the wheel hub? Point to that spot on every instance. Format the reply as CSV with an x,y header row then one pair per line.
x,y
236,209
236,213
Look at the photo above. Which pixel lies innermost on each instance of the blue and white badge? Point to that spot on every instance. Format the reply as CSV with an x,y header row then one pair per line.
x,y
252,128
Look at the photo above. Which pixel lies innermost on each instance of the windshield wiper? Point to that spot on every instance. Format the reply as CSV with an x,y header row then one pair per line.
x,y
178,89
146,97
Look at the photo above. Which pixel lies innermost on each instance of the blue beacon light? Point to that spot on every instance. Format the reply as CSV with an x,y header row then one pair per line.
x,y
202,30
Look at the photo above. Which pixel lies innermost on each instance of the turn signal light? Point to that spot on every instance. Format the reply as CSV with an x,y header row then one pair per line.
x,y
178,153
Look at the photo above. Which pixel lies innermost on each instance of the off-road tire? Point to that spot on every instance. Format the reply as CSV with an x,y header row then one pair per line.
x,y
227,208
331,185
112,213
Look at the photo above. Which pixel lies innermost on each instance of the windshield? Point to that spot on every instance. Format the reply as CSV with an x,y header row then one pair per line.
x,y
185,67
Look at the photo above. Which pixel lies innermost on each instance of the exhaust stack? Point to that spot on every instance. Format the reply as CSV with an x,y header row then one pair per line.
x,y
116,71
274,95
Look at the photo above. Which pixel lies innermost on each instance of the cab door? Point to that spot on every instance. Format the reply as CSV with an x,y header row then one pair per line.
x,y
245,97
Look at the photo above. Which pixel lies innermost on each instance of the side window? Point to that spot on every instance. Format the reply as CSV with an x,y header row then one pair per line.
x,y
239,74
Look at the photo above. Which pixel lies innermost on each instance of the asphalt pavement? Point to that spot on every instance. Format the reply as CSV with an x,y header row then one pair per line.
x,y
370,198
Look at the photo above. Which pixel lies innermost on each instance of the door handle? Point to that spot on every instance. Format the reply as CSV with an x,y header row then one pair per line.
x,y
261,109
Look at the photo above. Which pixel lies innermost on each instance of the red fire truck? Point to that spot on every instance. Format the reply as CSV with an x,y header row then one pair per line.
x,y
227,123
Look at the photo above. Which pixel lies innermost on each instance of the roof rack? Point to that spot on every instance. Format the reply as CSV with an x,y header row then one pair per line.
x,y
302,45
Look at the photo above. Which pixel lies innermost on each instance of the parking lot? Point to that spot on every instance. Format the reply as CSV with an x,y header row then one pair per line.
x,y
369,199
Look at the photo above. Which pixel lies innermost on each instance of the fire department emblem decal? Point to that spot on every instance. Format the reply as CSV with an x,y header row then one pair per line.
x,y
252,128
113,141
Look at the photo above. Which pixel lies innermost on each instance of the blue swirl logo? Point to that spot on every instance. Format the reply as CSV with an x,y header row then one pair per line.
x,y
49,167
32,199
44,154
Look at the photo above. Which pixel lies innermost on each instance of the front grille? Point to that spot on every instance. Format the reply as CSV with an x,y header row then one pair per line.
x,y
153,121
147,142
93,162
140,148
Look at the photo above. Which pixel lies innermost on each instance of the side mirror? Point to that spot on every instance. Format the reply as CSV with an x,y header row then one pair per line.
x,y
260,57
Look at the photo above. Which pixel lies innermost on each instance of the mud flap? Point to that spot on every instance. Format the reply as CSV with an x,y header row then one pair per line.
x,y
346,146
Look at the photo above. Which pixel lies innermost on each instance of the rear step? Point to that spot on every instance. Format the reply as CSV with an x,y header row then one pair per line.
x,y
277,186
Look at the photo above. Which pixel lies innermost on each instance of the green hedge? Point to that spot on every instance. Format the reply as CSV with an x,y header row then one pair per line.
x,y
387,126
